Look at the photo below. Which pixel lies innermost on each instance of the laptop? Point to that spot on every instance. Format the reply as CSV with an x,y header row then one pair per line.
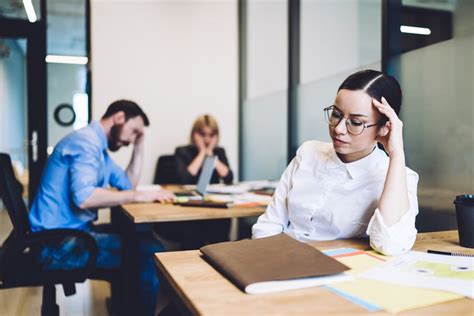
x,y
196,197
203,181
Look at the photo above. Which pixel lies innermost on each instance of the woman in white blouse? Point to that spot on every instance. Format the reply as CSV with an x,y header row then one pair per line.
x,y
350,187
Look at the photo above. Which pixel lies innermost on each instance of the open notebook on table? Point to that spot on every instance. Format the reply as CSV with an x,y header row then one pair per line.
x,y
273,264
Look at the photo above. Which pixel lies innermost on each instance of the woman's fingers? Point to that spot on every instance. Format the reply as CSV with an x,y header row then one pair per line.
x,y
385,109
382,109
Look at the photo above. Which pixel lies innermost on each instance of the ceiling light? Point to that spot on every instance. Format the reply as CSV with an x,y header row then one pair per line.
x,y
30,11
78,60
415,30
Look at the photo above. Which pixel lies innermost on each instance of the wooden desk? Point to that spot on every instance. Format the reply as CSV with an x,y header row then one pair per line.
x,y
131,219
203,291
157,213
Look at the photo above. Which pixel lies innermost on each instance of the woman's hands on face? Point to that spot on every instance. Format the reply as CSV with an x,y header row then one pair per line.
x,y
392,137
212,145
199,141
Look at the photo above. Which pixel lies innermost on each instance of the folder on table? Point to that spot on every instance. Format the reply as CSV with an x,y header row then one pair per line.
x,y
273,264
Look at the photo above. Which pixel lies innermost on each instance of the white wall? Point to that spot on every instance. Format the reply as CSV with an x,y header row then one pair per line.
x,y
177,59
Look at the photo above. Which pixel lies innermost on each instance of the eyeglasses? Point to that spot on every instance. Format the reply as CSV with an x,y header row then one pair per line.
x,y
354,125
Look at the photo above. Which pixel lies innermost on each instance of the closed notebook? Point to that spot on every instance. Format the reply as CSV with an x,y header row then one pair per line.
x,y
272,264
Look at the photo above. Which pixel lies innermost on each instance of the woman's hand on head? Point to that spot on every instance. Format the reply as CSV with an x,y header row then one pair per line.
x,y
391,134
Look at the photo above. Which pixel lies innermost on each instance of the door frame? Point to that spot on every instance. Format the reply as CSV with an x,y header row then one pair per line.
x,y
36,95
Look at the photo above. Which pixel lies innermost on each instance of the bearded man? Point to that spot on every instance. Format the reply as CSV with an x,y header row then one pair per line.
x,y
80,177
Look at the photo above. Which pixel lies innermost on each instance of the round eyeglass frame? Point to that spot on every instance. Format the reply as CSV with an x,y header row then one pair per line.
x,y
331,107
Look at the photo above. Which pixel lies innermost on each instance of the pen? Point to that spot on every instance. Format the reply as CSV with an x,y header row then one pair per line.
x,y
437,252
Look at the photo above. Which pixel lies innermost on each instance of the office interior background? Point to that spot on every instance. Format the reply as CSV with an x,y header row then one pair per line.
x,y
264,68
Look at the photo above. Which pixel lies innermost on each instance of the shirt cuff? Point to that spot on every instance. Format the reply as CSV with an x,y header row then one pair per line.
x,y
82,195
394,240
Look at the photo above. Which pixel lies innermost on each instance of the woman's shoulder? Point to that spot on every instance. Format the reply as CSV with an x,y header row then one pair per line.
x,y
188,150
313,148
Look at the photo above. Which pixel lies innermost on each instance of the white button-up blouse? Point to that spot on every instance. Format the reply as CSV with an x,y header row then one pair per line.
x,y
319,197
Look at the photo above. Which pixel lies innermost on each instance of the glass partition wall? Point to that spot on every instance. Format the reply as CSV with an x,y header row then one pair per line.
x,y
427,45
437,77
264,72
68,66
329,40
337,38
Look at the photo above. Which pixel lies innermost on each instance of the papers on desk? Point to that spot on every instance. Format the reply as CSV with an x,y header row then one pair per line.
x,y
148,187
285,285
251,199
418,269
241,187
375,295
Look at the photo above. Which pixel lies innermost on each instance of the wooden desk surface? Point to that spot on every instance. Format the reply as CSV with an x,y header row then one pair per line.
x,y
205,292
156,212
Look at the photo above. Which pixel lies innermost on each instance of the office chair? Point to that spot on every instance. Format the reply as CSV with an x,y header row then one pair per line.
x,y
19,264
165,172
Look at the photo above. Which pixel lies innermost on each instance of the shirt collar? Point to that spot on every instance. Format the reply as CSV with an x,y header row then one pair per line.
x,y
99,130
362,166
357,168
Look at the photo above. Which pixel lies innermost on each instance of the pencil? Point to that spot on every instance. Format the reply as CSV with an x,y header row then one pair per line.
x,y
437,252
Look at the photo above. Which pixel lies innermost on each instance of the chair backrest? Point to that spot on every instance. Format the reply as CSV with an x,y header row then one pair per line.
x,y
165,172
10,191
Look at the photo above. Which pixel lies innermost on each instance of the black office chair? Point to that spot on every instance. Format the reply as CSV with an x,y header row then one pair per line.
x,y
165,172
19,264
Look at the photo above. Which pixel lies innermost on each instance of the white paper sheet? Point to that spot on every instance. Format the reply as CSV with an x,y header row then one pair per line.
x,y
241,187
285,285
424,270
148,187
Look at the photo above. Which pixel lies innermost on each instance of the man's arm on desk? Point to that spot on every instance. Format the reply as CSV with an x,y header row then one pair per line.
x,y
101,197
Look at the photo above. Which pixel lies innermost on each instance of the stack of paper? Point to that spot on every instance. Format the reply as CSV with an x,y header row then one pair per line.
x,y
375,294
418,269
241,187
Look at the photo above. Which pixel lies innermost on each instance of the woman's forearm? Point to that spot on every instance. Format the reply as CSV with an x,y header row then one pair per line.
x,y
221,168
195,165
394,203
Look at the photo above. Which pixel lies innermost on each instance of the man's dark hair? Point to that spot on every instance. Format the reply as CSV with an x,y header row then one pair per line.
x,y
129,108
377,85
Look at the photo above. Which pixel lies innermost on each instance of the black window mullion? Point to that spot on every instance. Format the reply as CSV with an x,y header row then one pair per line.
x,y
293,73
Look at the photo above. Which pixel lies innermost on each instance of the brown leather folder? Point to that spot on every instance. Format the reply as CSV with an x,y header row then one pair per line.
x,y
274,258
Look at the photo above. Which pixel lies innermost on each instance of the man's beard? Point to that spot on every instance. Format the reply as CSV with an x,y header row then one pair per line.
x,y
113,140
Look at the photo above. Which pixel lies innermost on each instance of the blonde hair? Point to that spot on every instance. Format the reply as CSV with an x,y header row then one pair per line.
x,y
201,122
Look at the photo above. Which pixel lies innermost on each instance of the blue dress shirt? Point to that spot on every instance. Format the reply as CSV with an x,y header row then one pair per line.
x,y
79,164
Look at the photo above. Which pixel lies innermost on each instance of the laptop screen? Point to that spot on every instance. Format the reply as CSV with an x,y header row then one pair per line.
x,y
206,174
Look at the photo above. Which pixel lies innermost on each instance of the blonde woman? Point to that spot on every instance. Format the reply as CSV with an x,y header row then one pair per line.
x,y
204,139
